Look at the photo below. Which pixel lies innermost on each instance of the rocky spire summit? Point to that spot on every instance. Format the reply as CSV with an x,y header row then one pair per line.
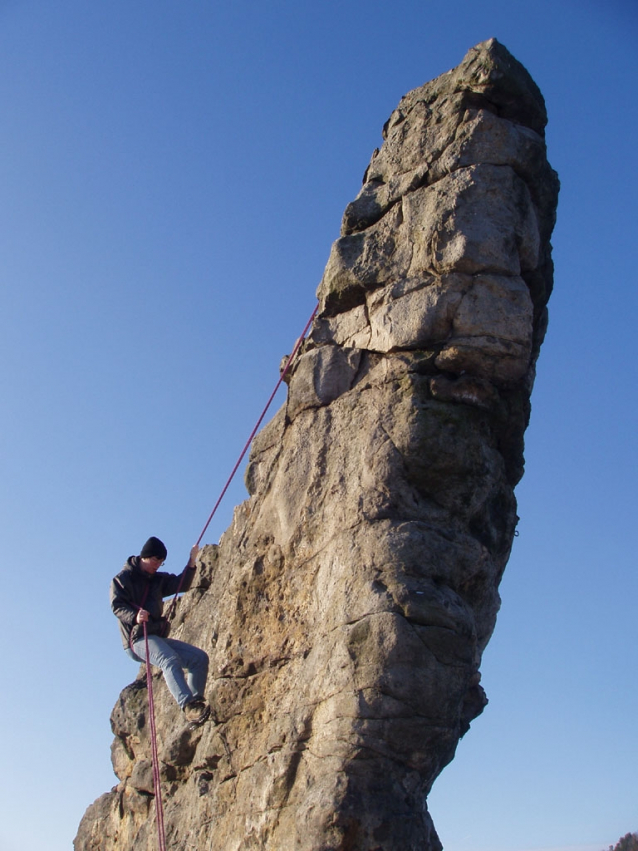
x,y
347,607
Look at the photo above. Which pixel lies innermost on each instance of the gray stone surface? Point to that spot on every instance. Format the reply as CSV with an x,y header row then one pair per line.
x,y
347,607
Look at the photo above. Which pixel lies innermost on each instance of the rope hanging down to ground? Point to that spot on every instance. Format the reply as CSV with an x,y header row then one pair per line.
x,y
157,787
159,809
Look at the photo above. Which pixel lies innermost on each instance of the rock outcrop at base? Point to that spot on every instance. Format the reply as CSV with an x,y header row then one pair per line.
x,y
347,607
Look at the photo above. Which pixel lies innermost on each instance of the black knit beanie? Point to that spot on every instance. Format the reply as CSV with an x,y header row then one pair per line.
x,y
154,548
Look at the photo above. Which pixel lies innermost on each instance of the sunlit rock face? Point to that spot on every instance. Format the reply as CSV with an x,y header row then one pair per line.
x,y
347,607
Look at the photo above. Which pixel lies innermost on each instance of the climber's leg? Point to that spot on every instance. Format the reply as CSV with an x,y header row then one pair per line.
x,y
165,656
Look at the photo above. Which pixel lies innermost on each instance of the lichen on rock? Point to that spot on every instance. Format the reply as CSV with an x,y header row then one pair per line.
x,y
347,607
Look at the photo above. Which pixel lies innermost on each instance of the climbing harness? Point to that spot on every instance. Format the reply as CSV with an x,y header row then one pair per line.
x,y
159,809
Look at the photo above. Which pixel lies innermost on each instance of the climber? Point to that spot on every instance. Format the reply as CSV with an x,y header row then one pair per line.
x,y
136,599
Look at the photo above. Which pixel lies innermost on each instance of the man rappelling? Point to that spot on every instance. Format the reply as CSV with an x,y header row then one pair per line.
x,y
137,593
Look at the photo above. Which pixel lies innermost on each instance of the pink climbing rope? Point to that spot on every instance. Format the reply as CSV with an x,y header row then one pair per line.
x,y
245,449
159,809
259,421
157,787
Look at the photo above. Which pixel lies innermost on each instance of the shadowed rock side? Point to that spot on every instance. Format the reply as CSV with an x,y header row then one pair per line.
x,y
347,607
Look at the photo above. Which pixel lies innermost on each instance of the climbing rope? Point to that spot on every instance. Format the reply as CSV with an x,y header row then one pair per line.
x,y
284,372
159,809
259,421
157,786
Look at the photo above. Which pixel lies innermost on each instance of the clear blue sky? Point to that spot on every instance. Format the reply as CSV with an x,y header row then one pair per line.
x,y
172,175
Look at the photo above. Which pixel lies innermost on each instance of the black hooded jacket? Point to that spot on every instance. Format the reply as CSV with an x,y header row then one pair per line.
x,y
134,589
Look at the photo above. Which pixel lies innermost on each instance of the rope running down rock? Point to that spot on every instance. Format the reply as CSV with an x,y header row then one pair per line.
x,y
159,809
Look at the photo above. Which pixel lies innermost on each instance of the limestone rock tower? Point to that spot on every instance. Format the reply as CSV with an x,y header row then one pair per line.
x,y
347,607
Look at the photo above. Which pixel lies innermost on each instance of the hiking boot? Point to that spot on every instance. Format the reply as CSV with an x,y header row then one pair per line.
x,y
196,712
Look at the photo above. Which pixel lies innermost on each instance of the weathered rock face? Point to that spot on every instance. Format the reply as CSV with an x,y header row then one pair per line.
x,y
347,607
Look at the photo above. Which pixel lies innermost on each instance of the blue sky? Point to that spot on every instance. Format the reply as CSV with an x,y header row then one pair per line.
x,y
171,178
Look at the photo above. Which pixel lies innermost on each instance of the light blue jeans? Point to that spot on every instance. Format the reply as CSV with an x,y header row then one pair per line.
x,y
174,657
